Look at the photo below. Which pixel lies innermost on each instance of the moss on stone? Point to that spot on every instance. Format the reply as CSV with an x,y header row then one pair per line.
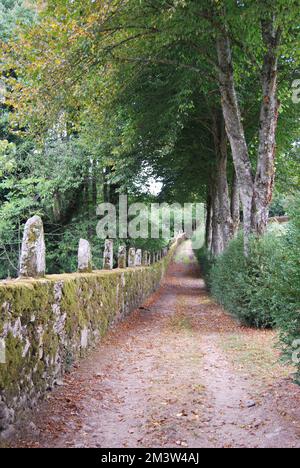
x,y
43,322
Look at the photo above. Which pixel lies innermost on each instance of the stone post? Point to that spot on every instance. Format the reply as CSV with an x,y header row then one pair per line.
x,y
84,257
131,257
122,257
108,256
138,258
33,251
145,258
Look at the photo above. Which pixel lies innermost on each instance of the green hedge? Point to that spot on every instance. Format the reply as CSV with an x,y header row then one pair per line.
x,y
286,300
245,286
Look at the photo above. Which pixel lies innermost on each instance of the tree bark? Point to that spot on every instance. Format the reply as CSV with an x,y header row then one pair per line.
x,y
110,190
217,245
235,132
208,228
220,142
265,174
94,184
235,205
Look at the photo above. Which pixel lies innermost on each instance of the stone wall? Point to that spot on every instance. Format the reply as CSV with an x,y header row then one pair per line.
x,y
48,323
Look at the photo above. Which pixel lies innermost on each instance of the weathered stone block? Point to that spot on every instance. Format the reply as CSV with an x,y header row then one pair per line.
x,y
122,257
84,257
138,258
145,258
108,256
33,252
131,257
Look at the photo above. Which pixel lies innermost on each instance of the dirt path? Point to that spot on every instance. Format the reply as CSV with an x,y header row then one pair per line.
x,y
178,373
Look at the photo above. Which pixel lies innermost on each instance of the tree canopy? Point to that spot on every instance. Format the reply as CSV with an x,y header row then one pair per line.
x,y
113,93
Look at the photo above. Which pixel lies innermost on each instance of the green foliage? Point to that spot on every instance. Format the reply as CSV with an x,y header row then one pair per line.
x,y
7,154
206,262
278,206
263,290
286,298
13,13
135,85
244,286
39,181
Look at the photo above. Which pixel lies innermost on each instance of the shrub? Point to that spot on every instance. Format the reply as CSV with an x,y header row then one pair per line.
x,y
244,285
262,290
206,261
286,288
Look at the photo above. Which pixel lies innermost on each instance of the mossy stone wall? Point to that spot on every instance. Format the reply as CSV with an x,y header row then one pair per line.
x,y
49,323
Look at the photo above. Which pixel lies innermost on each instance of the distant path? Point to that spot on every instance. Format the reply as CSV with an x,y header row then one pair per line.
x,y
178,372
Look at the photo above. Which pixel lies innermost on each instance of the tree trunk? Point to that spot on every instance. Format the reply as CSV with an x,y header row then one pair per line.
x,y
94,185
235,132
235,205
256,195
208,229
220,142
110,190
265,173
217,244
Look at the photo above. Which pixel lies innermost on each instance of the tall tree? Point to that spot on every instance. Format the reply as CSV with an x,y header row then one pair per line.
x,y
239,49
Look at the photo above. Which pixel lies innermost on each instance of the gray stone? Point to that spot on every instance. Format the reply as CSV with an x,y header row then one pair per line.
x,y
33,428
108,256
131,257
33,252
145,258
7,416
59,382
84,257
122,257
138,257
250,404
8,432
84,338
4,416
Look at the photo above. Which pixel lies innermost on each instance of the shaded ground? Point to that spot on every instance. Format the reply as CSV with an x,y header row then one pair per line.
x,y
178,373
